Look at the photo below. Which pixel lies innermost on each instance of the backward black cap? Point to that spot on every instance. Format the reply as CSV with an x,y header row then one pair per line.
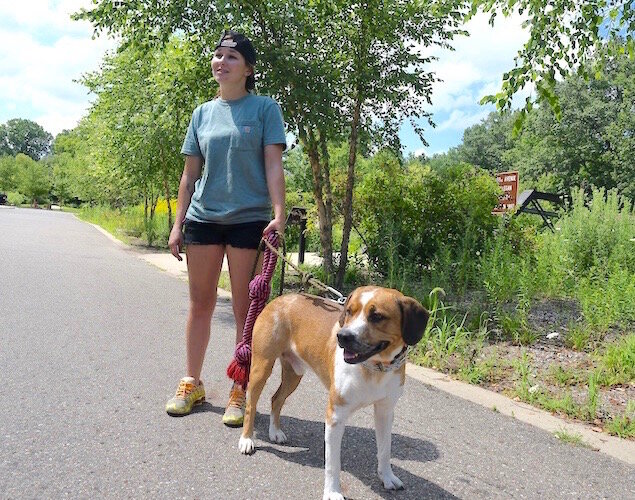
x,y
239,42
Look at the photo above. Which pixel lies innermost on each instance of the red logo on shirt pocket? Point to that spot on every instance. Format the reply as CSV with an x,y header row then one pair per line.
x,y
246,129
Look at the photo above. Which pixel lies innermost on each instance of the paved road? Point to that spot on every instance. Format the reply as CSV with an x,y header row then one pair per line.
x,y
91,346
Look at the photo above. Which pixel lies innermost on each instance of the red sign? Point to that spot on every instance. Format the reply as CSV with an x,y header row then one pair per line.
x,y
508,181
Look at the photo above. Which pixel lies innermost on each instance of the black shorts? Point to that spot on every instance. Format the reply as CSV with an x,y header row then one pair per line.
x,y
244,235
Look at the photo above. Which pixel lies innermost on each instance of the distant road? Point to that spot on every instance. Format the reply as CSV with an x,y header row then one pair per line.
x,y
92,345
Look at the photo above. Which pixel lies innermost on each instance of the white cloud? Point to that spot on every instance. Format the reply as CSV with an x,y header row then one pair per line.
x,y
474,69
459,119
477,61
49,15
42,52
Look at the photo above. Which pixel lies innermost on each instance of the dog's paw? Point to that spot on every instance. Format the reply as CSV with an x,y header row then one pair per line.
x,y
246,445
332,495
277,436
391,482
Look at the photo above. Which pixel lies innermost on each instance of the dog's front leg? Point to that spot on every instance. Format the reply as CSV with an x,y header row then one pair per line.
x,y
384,413
333,433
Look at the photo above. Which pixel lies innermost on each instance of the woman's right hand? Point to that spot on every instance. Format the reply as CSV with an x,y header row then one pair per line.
x,y
175,242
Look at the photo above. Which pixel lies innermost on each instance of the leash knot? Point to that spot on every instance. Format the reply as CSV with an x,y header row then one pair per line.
x,y
242,354
259,288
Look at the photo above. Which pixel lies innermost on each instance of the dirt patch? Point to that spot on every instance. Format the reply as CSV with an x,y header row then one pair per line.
x,y
557,371
548,373
554,317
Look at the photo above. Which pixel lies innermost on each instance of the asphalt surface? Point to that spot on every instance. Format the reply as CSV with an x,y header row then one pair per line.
x,y
92,346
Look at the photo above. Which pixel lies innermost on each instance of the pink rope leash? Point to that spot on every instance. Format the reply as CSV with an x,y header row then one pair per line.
x,y
259,290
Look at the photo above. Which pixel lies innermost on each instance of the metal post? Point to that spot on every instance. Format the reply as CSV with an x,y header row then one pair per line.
x,y
297,215
302,241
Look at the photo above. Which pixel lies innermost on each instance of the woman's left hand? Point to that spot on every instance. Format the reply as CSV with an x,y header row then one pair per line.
x,y
274,225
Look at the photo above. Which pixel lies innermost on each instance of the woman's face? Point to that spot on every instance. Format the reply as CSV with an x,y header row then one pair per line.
x,y
229,67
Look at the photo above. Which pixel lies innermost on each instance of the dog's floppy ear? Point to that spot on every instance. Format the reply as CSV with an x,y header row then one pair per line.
x,y
343,315
414,319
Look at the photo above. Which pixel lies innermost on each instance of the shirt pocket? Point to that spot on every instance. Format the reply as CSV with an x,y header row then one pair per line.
x,y
247,136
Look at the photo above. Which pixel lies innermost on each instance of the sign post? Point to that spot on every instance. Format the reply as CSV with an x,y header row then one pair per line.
x,y
508,181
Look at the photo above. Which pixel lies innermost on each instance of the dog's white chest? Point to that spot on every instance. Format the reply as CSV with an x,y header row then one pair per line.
x,y
360,387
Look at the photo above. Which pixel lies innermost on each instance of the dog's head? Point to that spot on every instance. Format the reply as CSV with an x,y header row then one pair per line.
x,y
377,320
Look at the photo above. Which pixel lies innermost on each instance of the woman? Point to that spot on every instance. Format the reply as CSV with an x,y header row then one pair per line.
x,y
233,175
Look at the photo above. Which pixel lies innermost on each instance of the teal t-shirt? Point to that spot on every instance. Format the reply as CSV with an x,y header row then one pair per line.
x,y
231,136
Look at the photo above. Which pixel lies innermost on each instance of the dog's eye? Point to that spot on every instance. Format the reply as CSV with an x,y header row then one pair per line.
x,y
375,317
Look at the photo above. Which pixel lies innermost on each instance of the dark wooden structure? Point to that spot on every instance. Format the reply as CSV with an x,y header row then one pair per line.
x,y
529,203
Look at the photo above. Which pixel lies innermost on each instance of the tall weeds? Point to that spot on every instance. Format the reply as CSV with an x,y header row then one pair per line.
x,y
591,257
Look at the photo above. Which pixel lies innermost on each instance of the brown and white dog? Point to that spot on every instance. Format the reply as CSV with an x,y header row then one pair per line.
x,y
357,351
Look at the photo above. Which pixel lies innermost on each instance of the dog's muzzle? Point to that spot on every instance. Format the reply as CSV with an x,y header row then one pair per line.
x,y
354,350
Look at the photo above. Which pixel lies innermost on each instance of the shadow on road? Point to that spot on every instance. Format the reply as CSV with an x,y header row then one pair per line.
x,y
306,447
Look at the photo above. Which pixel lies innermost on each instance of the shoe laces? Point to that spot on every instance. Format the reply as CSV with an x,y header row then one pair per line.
x,y
236,397
185,389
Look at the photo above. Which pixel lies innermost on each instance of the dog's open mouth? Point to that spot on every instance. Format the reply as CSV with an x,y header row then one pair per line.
x,y
353,357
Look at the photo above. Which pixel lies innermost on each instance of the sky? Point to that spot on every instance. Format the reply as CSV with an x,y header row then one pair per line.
x,y
43,53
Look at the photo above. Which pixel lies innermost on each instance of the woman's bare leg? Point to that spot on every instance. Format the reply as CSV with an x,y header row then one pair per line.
x,y
203,267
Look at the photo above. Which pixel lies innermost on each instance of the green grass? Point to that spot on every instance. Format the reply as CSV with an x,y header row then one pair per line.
x,y
128,224
590,259
564,405
448,344
563,376
224,282
579,337
623,426
617,363
529,390
523,370
516,328
482,371
593,397
572,438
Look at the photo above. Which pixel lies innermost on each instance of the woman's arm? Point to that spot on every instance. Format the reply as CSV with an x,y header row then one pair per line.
x,y
191,173
276,187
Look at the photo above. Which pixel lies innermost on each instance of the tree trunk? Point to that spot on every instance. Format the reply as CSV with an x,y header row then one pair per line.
x,y
166,187
326,230
328,193
348,199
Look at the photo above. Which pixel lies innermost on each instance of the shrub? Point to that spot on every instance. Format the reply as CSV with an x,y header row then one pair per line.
x,y
413,213
15,198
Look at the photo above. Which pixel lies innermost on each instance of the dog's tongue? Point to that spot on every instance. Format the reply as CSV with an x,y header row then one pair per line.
x,y
349,356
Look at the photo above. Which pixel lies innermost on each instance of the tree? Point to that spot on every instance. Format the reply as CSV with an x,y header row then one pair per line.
x,y
592,144
144,100
485,143
8,171
33,178
340,70
67,168
564,35
410,213
24,136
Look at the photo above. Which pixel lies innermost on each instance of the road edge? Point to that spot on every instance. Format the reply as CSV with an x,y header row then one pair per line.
x,y
615,447
173,270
